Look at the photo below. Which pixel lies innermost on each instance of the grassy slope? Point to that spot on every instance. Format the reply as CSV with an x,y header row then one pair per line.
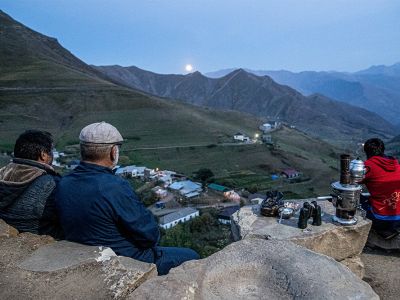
x,y
251,165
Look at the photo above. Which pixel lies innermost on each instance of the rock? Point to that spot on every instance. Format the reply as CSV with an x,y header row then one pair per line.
x,y
376,241
242,221
336,241
65,270
6,230
355,264
382,272
258,269
64,255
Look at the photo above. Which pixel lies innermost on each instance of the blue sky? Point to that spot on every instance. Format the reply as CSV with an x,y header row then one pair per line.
x,y
164,36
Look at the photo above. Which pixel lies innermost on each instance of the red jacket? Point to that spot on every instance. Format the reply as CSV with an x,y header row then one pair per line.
x,y
383,182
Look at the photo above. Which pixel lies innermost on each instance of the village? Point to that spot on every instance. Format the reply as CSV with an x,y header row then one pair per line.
x,y
176,198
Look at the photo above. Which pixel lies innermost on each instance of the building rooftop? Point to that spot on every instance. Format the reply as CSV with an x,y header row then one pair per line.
x,y
290,172
228,211
177,215
186,187
217,187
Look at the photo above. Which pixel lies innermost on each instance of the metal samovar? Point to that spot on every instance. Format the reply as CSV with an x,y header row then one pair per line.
x,y
346,192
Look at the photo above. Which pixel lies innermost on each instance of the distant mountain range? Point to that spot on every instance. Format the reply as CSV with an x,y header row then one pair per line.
x,y
376,89
261,96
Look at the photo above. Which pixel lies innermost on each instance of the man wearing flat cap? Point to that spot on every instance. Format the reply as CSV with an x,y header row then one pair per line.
x,y
98,208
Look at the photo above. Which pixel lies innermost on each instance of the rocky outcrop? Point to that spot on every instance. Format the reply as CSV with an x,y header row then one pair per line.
x,y
355,264
258,269
37,267
343,243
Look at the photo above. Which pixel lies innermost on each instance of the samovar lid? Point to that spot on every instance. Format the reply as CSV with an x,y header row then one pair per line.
x,y
345,187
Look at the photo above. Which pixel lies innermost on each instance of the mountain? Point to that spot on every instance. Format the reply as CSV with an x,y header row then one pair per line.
x,y
376,89
393,70
44,86
261,96
24,52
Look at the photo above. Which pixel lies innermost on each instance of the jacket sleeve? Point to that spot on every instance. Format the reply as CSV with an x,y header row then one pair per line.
x,y
368,174
134,219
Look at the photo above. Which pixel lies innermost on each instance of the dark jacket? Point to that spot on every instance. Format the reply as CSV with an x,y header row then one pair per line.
x,y
98,208
27,197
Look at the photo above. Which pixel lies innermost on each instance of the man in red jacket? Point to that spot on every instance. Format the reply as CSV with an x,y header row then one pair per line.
x,y
383,182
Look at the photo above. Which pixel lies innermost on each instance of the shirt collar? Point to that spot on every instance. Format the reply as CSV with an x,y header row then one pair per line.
x,y
94,167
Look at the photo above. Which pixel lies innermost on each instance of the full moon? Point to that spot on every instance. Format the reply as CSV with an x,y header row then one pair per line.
x,y
189,68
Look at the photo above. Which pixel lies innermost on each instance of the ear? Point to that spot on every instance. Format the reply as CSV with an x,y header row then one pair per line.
x,y
113,153
45,157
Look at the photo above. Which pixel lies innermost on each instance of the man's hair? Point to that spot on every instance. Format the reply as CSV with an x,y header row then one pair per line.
x,y
32,143
374,147
95,152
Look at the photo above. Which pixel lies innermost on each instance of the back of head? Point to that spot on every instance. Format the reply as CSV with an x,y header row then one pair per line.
x,y
97,141
374,147
32,144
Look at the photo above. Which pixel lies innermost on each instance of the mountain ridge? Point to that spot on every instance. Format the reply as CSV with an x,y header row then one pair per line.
x,y
376,88
259,95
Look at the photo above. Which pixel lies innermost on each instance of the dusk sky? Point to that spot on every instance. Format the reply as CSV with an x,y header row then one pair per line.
x,y
164,36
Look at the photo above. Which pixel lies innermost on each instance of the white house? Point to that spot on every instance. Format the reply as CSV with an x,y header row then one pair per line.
x,y
56,156
166,176
266,127
132,171
241,137
180,216
160,192
256,201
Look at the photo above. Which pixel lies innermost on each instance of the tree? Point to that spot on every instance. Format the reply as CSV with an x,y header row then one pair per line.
x,y
204,175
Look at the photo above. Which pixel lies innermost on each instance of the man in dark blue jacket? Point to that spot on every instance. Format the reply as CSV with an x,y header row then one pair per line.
x,y
98,208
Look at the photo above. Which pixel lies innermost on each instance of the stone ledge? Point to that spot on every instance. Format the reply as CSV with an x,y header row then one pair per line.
x,y
258,269
338,242
37,267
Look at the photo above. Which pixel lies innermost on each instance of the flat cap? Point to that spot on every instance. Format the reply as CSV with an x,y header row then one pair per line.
x,y
100,133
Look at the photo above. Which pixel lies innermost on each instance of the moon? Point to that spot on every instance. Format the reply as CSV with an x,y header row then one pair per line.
x,y
189,68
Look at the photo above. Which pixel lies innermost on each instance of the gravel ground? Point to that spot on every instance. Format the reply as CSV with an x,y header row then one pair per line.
x,y
382,272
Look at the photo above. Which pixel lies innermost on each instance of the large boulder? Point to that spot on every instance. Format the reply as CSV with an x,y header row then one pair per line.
x,y
343,243
258,269
37,267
